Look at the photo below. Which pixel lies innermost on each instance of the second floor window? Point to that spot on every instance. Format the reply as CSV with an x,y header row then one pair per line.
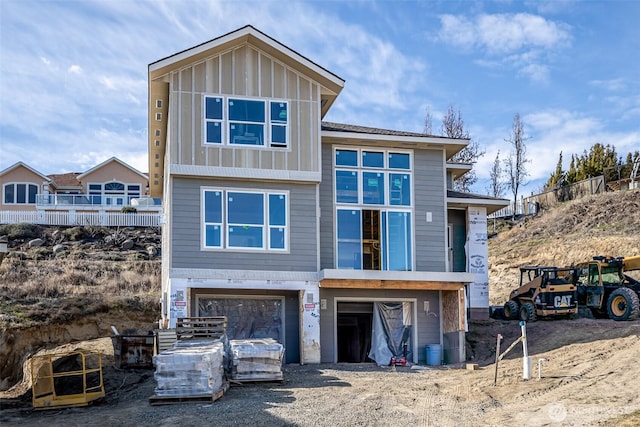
x,y
244,121
245,220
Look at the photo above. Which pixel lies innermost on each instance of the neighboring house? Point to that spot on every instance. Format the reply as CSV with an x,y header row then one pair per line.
x,y
107,187
333,239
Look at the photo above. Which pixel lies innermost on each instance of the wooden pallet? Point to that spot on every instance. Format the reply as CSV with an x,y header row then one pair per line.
x,y
166,338
201,327
173,400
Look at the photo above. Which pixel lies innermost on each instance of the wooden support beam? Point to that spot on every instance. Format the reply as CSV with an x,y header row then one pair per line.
x,y
417,285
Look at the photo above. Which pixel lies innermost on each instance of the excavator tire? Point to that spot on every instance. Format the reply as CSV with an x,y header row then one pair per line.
x,y
511,310
528,312
623,304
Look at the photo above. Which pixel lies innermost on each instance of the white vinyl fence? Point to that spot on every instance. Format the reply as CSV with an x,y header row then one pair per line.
x,y
105,219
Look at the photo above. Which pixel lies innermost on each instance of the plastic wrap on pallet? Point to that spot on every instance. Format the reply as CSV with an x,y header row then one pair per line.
x,y
189,369
265,348
256,359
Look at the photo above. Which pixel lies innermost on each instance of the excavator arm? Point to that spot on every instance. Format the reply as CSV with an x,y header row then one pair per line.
x,y
631,263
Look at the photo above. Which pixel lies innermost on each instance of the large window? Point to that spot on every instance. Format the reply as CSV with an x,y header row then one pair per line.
x,y
17,193
245,220
240,121
113,193
373,199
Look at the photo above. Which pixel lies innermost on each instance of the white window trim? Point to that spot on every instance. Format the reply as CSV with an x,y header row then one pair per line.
x,y
225,122
386,207
360,170
126,194
15,193
266,227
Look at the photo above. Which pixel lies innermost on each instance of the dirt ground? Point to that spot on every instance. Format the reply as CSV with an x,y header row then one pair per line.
x,y
590,376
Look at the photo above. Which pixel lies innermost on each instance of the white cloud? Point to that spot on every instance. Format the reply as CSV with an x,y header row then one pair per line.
x,y
503,33
519,41
75,69
613,85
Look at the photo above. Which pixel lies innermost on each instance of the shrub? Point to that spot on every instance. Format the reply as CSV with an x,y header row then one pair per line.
x,y
21,230
74,233
129,209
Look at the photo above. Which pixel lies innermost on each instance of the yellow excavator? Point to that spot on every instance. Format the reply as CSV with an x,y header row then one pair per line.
x,y
604,287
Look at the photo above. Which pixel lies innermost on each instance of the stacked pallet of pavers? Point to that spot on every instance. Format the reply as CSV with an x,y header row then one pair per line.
x,y
256,360
191,368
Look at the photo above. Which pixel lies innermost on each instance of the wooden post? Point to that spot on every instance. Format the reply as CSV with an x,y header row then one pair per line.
x,y
495,377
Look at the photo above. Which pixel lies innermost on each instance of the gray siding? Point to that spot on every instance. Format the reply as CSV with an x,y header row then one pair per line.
x,y
458,219
428,324
429,196
327,238
186,229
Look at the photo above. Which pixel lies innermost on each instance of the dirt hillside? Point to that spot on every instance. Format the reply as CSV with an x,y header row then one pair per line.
x,y
603,224
589,366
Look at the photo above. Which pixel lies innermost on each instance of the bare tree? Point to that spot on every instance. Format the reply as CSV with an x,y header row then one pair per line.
x,y
428,118
496,184
517,160
453,127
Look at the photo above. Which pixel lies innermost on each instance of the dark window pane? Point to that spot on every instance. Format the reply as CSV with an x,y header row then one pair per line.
x,y
372,159
96,187
212,236
213,108
373,188
245,237
349,243
346,158
277,209
247,110
245,208
399,189
279,112
246,134
347,187
114,186
33,190
276,238
9,193
214,132
400,241
21,193
278,135
399,161
213,206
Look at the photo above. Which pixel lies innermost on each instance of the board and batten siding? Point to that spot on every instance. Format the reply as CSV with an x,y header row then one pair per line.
x,y
244,72
428,323
186,229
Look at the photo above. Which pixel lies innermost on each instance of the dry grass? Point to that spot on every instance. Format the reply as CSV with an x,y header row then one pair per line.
x,y
34,291
605,224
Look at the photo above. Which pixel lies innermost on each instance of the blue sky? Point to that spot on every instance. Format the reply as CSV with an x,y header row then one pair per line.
x,y
73,74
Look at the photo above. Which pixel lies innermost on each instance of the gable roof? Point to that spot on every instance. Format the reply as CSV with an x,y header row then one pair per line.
x,y
367,135
24,165
112,159
66,180
331,83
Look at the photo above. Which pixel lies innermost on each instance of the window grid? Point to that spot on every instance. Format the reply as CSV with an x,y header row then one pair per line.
x,y
246,121
372,178
19,193
227,229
